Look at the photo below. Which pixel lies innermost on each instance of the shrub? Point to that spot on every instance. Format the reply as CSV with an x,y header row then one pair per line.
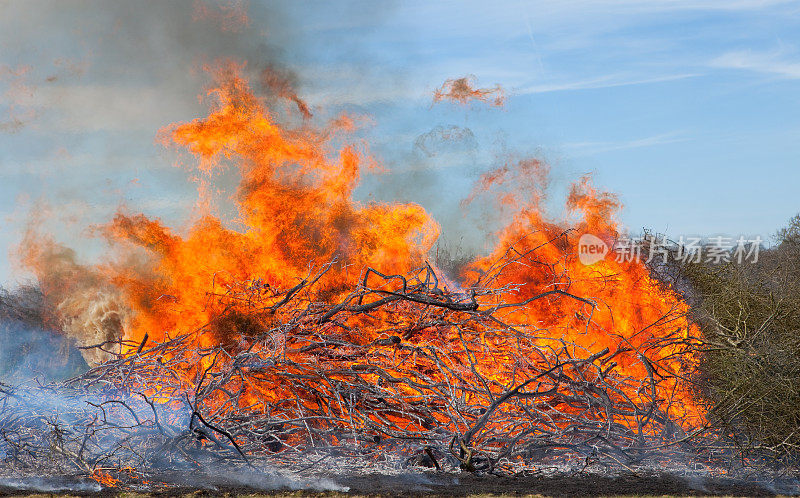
x,y
749,316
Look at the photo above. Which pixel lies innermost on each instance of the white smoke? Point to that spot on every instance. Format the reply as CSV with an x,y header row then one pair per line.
x,y
95,317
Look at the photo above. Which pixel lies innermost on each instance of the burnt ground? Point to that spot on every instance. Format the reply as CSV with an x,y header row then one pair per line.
x,y
419,484
565,485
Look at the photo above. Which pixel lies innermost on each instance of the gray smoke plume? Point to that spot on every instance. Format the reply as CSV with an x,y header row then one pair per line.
x,y
28,348
123,69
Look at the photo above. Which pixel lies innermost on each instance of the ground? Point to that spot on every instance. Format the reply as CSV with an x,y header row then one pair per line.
x,y
430,484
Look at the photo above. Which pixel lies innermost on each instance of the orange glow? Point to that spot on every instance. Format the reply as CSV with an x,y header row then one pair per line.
x,y
296,214
105,479
642,323
295,202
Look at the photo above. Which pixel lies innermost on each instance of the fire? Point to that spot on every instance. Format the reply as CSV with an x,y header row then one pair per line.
x,y
642,323
463,91
295,200
105,479
328,292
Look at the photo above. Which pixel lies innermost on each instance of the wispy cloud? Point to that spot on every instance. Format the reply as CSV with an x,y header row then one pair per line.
x,y
774,63
583,149
655,6
345,88
608,81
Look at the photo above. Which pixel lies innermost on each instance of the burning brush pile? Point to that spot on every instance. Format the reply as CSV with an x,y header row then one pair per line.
x,y
317,335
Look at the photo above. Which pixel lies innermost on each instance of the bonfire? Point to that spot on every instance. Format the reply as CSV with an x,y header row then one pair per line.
x,y
316,332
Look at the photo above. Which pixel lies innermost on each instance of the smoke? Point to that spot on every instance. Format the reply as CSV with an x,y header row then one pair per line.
x,y
77,300
206,479
261,480
443,139
51,427
16,92
95,80
231,15
152,41
162,47
48,485
27,348
94,317
149,54
282,83
139,65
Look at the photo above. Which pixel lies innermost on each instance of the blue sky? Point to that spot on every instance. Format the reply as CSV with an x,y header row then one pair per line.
x,y
687,110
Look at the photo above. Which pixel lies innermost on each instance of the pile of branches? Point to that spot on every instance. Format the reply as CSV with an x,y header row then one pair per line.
x,y
400,371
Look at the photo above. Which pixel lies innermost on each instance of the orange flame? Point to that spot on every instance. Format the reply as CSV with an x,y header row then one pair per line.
x,y
642,323
105,479
297,213
295,200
